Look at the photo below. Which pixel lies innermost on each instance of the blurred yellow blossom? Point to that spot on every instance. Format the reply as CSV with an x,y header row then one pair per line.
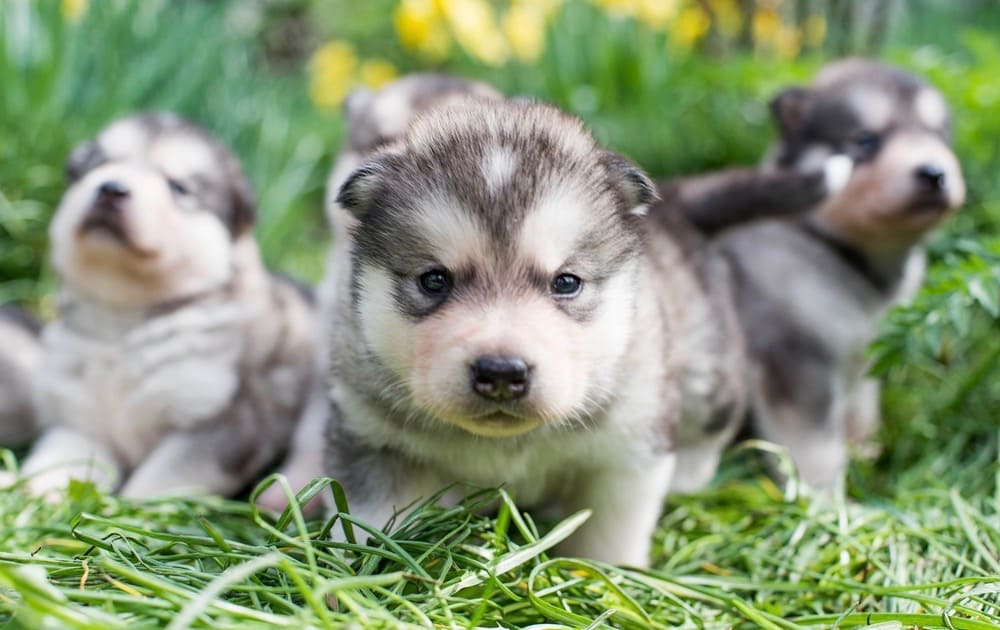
x,y
332,73
788,42
814,30
474,26
524,26
728,17
73,10
656,14
420,25
691,25
377,72
766,24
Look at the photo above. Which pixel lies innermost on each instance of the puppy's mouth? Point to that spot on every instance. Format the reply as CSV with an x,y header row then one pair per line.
x,y
109,222
499,423
929,203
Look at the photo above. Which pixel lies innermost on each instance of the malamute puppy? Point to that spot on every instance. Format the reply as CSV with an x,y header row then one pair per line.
x,y
506,315
810,292
176,363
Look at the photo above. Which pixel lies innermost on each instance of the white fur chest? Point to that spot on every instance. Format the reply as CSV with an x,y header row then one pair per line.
x,y
129,388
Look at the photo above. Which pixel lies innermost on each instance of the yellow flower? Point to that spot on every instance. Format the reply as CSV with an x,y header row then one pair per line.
x,y
618,8
474,26
524,26
814,30
766,24
332,73
728,17
420,26
690,26
656,14
788,42
73,10
377,72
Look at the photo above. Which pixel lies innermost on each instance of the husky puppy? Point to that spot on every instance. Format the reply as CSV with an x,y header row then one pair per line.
x,y
176,362
810,292
507,315
373,119
20,359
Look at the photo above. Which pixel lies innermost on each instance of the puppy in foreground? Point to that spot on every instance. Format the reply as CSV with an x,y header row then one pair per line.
x,y
373,119
177,363
811,291
507,315
20,360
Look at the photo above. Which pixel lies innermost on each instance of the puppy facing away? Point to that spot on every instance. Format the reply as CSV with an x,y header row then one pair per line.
x,y
810,292
373,119
507,315
176,362
20,360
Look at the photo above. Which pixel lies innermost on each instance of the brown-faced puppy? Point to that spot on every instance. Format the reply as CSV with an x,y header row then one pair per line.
x,y
810,292
20,360
507,315
373,119
176,362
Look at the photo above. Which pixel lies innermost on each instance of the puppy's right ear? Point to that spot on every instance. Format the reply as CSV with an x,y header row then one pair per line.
x,y
358,191
357,102
84,158
788,109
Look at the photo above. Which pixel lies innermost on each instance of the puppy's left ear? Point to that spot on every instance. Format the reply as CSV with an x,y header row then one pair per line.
x,y
84,158
358,192
631,183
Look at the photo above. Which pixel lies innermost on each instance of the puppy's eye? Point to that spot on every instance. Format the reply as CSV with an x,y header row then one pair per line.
x,y
176,187
566,285
867,142
436,282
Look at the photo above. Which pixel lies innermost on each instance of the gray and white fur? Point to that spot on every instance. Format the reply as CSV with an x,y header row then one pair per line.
x,y
506,314
176,363
811,291
20,360
373,119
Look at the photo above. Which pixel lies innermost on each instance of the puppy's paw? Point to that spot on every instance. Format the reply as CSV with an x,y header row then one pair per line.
x,y
836,173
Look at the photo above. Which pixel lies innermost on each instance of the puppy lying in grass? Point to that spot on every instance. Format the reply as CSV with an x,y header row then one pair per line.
x,y
810,291
506,314
20,360
177,363
373,119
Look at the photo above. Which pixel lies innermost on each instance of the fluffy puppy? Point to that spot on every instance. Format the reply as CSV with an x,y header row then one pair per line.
x,y
176,362
20,359
507,315
373,119
810,292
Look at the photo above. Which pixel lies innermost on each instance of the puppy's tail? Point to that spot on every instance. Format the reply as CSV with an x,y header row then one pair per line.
x,y
720,200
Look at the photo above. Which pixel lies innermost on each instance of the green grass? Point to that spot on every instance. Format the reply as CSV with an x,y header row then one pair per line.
x,y
915,541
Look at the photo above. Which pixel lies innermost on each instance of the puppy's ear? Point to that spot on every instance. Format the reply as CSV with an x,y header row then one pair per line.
x,y
84,158
788,108
630,182
243,213
357,193
357,102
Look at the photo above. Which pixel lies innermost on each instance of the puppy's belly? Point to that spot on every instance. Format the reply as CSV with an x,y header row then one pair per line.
x,y
131,395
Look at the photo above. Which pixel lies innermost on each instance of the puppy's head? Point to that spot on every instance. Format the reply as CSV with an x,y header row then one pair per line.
x,y
896,130
495,252
376,118
152,213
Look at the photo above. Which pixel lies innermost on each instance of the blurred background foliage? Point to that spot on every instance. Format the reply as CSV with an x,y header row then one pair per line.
x,y
679,85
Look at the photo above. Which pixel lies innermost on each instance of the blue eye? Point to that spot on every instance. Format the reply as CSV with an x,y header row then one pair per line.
x,y
566,285
436,282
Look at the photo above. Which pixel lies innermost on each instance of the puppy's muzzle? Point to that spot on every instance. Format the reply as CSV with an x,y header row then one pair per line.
x,y
106,213
500,378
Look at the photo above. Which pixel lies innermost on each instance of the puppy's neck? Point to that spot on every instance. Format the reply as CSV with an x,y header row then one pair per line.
x,y
100,319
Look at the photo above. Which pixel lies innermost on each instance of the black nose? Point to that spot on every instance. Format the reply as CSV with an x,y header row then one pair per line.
x,y
930,176
111,191
500,378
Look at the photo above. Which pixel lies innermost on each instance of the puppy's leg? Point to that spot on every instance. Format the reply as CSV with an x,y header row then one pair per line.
x,y
626,505
304,461
62,454
863,415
